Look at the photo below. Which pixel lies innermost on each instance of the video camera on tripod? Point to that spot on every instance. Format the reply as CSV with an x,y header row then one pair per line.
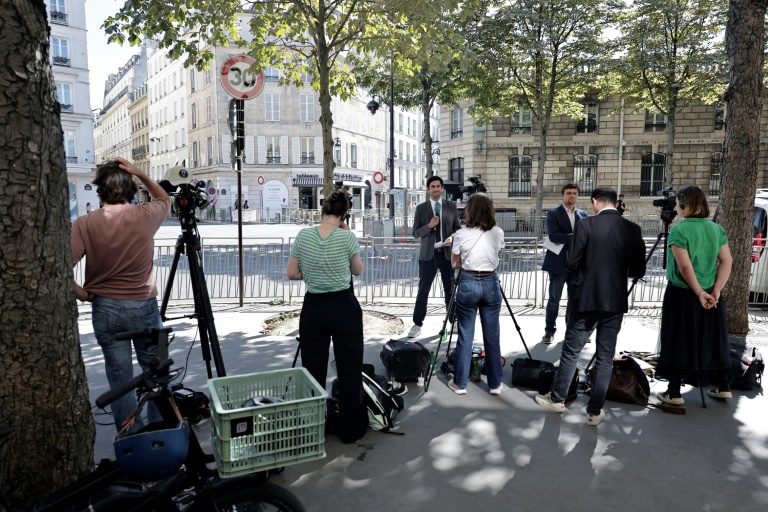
x,y
667,205
187,194
476,186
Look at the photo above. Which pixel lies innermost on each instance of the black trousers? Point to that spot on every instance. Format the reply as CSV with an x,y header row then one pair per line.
x,y
337,316
427,273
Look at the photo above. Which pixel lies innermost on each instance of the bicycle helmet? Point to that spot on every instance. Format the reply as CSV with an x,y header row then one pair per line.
x,y
153,455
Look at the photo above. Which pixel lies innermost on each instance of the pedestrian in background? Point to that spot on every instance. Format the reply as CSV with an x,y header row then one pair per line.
x,y
118,244
560,225
326,257
621,206
694,331
87,208
605,250
475,250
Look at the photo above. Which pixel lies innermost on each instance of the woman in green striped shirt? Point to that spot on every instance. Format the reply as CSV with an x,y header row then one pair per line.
x,y
326,257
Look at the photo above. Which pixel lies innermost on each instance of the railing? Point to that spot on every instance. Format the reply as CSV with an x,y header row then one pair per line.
x,y
59,17
273,159
390,272
138,151
61,61
307,159
66,107
71,159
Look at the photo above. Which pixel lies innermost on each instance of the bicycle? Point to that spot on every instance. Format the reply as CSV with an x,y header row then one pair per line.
x,y
193,487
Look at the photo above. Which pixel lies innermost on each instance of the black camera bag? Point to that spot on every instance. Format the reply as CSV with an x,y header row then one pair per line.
x,y
525,372
547,380
405,361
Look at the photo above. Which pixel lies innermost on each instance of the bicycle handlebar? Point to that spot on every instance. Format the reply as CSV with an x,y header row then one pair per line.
x,y
113,394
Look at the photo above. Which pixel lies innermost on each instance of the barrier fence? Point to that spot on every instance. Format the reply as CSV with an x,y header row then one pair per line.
x,y
390,272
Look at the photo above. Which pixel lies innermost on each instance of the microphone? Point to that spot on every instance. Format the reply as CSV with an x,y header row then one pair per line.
x,y
437,209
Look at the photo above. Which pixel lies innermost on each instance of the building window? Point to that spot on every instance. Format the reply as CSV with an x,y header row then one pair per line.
x,y
273,150
307,150
64,95
69,146
208,76
400,123
457,170
195,155
271,74
337,154
60,51
306,77
588,121
192,81
272,107
193,114
306,108
720,109
209,149
400,176
652,174
585,173
521,122
353,156
520,176
715,173
457,124
655,122
208,109
59,11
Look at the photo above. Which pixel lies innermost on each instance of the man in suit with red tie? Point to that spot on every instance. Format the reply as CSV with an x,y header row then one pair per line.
x,y
606,250
434,221
560,224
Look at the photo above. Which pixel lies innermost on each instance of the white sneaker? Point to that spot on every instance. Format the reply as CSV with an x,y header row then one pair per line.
x,y
415,331
546,402
497,391
595,419
456,389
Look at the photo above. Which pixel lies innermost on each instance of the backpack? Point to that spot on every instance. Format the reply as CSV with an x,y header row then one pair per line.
x,y
382,406
747,367
406,361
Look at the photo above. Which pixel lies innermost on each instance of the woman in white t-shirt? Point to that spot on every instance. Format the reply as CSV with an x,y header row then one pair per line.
x,y
476,251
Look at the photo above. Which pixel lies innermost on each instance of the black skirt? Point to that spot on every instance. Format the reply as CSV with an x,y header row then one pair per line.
x,y
694,340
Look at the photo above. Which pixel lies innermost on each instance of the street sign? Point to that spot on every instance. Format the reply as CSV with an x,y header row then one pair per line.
x,y
378,177
238,80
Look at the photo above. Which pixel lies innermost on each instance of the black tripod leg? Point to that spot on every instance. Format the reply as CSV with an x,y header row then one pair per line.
x,y
514,320
298,349
171,275
442,331
209,340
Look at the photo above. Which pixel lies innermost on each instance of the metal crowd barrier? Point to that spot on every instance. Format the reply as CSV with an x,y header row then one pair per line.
x,y
390,272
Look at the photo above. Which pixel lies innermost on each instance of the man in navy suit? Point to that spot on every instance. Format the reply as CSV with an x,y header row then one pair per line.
x,y
560,224
605,250
434,222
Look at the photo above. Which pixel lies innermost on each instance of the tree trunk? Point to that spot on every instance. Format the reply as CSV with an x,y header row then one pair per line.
x,y
43,389
426,107
669,162
744,40
326,118
538,222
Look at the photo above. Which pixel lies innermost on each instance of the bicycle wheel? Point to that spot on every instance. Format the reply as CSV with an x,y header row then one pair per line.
x,y
247,497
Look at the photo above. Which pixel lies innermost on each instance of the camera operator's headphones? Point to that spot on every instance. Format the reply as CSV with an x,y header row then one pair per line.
x,y
681,196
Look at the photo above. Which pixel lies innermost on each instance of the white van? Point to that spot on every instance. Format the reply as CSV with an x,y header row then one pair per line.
x,y
758,280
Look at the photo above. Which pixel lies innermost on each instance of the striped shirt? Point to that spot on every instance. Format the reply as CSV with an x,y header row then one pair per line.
x,y
325,264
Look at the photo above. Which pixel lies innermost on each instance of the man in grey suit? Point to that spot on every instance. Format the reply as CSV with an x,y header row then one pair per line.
x,y
606,249
434,222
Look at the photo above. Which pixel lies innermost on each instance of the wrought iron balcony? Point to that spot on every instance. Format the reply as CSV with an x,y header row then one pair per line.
x,y
308,159
59,17
273,159
71,159
138,151
66,107
61,61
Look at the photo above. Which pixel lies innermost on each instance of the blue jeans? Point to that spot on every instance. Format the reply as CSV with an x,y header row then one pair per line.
x,y
556,285
478,292
427,272
578,332
113,316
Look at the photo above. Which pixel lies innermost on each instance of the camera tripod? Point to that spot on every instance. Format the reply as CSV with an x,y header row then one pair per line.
x,y
450,308
189,243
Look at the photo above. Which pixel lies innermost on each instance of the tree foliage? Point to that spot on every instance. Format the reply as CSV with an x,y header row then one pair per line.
x,y
672,54
297,36
541,55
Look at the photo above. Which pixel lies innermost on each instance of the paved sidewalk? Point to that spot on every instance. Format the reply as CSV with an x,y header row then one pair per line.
x,y
462,453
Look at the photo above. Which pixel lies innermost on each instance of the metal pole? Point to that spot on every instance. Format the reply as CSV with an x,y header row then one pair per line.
x,y
621,144
391,140
239,168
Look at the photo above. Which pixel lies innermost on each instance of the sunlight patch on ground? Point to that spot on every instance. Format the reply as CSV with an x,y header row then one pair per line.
x,y
601,462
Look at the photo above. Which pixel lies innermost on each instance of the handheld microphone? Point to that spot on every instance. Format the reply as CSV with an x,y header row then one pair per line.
x,y
437,208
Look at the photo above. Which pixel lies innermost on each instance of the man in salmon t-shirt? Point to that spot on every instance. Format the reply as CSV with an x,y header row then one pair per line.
x,y
118,243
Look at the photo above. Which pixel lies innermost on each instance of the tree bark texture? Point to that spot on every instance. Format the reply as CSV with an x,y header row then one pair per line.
x,y
43,388
744,39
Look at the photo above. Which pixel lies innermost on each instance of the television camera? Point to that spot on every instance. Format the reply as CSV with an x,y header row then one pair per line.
x,y
475,187
187,194
667,205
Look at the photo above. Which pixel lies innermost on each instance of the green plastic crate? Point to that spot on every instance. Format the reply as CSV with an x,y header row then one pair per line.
x,y
257,438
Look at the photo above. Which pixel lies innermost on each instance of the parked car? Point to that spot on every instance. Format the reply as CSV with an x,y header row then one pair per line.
x,y
758,280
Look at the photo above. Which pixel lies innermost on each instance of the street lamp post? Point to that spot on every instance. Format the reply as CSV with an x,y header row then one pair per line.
x,y
373,107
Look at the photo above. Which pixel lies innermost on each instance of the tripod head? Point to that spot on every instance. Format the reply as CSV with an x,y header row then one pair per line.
x,y
187,195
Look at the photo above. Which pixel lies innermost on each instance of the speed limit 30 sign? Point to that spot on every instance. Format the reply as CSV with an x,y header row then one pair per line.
x,y
238,80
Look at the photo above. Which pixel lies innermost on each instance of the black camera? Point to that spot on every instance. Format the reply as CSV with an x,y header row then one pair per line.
x,y
475,187
667,205
187,195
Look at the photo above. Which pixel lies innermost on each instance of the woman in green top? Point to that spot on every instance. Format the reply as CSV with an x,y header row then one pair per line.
x,y
694,333
326,257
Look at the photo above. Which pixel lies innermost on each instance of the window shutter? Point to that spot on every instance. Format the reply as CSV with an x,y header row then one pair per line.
x,y
318,150
250,158
226,140
262,149
296,150
284,149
